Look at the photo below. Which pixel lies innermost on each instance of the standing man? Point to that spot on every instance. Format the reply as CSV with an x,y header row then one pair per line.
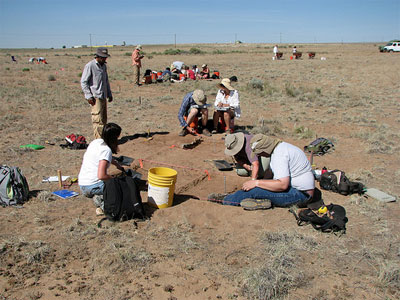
x,y
96,87
137,64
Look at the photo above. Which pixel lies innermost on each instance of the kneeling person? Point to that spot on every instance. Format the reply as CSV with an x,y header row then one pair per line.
x,y
292,183
193,105
96,161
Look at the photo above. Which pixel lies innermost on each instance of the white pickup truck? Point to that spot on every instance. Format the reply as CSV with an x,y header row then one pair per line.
x,y
392,47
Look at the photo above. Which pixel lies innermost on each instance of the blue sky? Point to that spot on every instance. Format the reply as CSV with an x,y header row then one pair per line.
x,y
54,23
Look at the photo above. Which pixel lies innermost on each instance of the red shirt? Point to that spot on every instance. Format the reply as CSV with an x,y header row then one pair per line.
x,y
136,59
191,75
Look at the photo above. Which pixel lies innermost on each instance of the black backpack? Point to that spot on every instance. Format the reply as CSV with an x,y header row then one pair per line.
x,y
122,200
75,142
323,222
336,181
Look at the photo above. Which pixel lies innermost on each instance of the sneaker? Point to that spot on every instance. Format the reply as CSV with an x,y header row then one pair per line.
x,y
99,212
183,132
254,204
214,131
215,197
206,132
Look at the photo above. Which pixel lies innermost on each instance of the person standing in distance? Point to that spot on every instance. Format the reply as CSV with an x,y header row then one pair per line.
x,y
96,87
137,64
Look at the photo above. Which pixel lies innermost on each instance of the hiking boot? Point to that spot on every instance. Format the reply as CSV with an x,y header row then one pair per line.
x,y
183,132
99,212
215,197
254,204
206,132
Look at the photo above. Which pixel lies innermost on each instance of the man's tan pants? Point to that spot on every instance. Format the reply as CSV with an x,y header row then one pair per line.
x,y
99,117
136,74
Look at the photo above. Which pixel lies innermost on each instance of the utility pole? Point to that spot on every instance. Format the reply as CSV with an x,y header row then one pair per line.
x,y
175,39
235,38
90,37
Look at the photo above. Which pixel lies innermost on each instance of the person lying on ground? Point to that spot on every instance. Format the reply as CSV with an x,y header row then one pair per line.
x,y
193,106
247,163
205,72
292,182
226,106
96,162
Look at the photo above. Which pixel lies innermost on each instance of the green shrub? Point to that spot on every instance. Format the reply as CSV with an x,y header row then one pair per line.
x,y
218,52
51,78
173,52
7,69
128,54
26,70
80,75
195,51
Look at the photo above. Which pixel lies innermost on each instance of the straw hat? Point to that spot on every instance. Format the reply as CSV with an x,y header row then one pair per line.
x,y
199,97
226,82
234,143
203,65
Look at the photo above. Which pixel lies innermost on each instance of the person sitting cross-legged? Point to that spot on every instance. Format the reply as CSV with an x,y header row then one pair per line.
x,y
292,182
193,105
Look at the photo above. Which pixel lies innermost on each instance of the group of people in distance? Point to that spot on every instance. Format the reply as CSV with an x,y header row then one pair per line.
x,y
280,173
194,107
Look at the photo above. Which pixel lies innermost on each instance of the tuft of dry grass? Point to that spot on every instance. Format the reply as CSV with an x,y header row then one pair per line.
x,y
277,270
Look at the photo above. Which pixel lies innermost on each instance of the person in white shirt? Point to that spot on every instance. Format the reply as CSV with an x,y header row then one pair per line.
x,y
292,182
276,52
226,106
96,162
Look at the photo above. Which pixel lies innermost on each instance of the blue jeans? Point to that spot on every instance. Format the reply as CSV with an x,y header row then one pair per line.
x,y
94,189
281,199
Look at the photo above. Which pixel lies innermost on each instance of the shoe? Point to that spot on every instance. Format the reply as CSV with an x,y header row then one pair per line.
x,y
254,204
215,197
183,132
99,212
206,132
214,131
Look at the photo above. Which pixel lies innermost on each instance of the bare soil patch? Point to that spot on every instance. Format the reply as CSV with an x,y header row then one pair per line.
x,y
52,248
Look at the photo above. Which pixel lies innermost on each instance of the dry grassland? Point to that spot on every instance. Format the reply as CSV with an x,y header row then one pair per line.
x,y
52,248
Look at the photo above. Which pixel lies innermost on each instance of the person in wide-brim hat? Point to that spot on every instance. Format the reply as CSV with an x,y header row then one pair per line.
x,y
292,183
247,164
226,107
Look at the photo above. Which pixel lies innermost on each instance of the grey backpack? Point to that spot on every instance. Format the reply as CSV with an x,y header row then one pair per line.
x,y
14,188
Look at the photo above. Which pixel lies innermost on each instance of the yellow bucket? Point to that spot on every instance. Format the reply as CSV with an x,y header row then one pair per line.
x,y
161,187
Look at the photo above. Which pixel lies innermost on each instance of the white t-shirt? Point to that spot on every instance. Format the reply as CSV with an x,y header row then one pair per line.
x,y
289,160
97,150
